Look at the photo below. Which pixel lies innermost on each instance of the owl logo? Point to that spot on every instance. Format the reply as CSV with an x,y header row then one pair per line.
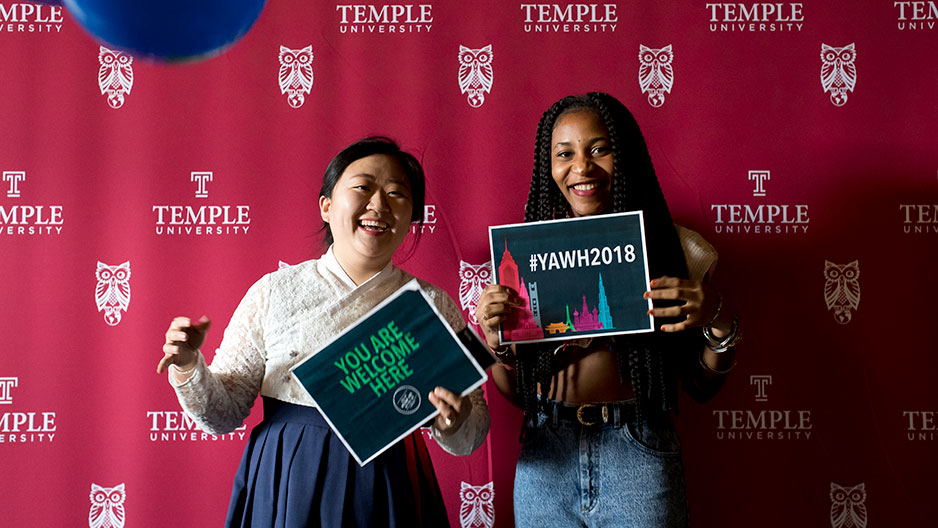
x,y
296,74
475,73
476,510
472,279
655,73
116,75
107,507
848,506
112,294
838,71
842,289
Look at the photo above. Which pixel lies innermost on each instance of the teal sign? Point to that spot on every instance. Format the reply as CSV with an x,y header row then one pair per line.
x,y
576,277
371,383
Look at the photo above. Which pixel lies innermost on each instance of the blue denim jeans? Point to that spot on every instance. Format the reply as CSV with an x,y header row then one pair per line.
x,y
600,476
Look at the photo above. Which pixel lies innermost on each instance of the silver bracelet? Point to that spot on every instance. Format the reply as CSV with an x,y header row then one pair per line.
x,y
729,341
708,368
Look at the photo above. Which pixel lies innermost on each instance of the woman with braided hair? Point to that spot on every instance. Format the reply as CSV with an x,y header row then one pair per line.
x,y
599,447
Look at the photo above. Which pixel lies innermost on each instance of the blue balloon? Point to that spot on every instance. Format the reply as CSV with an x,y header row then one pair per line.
x,y
172,30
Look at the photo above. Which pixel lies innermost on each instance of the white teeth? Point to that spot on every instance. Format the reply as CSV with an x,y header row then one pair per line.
x,y
586,186
373,224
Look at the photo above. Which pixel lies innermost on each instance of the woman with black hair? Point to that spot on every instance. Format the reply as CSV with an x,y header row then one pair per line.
x,y
599,448
295,471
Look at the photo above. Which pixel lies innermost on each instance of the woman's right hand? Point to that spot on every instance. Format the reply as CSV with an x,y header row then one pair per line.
x,y
183,340
495,306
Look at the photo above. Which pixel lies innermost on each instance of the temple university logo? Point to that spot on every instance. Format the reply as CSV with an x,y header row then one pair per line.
x,y
655,73
475,73
760,383
569,18
477,506
761,423
27,219
22,427
757,17
842,289
296,74
922,425
914,16
107,506
838,71
429,221
759,177
6,390
177,426
201,178
473,278
202,219
14,178
30,18
848,506
761,218
115,76
112,293
383,19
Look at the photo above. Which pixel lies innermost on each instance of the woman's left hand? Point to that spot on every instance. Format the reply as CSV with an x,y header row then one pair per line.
x,y
454,409
699,306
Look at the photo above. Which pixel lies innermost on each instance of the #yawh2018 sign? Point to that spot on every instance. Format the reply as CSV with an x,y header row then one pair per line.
x,y
577,277
371,382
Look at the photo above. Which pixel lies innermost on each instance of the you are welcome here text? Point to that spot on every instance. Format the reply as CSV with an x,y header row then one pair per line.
x,y
380,363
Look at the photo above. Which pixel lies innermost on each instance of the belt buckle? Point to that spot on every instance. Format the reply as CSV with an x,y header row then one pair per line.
x,y
579,414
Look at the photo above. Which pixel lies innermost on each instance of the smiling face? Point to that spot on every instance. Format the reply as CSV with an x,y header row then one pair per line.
x,y
582,162
369,214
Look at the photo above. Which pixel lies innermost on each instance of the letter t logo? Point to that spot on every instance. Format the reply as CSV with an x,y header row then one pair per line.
x,y
6,392
761,382
14,177
201,177
759,176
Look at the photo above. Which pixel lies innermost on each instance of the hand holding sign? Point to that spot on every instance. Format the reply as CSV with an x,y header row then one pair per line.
x,y
699,306
454,409
495,306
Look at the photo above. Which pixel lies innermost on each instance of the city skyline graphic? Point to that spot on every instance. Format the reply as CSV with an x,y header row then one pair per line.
x,y
525,323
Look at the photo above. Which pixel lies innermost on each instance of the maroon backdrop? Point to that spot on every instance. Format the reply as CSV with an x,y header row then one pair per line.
x,y
813,174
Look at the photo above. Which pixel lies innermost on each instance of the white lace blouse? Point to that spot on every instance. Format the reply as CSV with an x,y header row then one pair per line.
x,y
283,317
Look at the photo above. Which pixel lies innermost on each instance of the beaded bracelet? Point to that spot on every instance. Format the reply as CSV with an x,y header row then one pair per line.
x,y
504,356
181,372
504,353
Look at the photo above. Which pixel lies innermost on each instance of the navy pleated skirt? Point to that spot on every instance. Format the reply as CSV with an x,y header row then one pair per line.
x,y
296,472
